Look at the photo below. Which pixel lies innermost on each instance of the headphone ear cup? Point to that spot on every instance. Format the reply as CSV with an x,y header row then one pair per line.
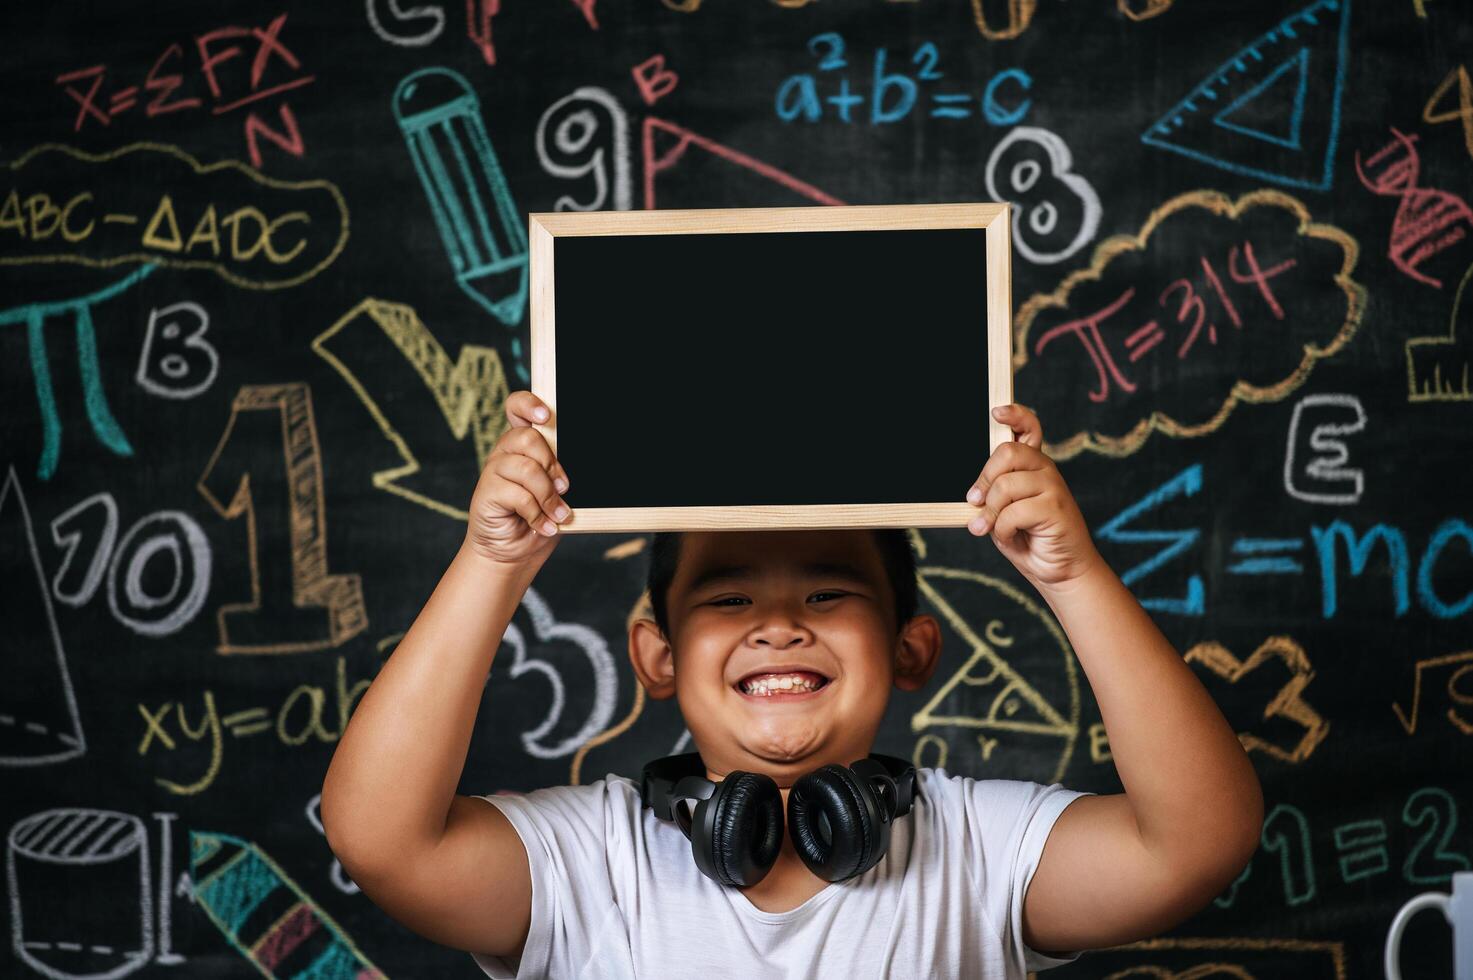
x,y
746,828
858,836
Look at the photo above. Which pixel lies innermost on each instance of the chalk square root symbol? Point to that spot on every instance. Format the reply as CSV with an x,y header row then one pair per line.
x,y
1258,114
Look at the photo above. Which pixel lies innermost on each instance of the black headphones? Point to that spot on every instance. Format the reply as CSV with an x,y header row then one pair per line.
x,y
838,817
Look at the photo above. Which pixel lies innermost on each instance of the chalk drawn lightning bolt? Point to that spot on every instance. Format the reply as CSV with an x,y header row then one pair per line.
x,y
470,392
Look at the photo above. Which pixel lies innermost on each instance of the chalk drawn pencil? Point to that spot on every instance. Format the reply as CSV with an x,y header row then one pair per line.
x,y
483,232
266,917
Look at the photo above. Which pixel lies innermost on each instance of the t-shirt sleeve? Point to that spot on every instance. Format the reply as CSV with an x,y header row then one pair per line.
x,y
1009,822
564,830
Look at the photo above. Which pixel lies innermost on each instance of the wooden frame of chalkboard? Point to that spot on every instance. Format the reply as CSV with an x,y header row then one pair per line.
x,y
602,249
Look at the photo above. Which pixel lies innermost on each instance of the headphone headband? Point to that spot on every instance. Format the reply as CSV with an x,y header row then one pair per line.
x,y
662,776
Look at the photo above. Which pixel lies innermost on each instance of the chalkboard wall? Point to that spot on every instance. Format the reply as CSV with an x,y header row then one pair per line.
x,y
261,298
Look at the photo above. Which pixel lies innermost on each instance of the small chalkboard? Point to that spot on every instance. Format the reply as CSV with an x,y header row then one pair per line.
x,y
771,367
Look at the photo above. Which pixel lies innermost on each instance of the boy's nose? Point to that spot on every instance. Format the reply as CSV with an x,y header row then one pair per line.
x,y
780,635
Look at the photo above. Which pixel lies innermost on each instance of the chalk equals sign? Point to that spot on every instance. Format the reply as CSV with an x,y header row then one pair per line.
x,y
251,721
950,106
1269,556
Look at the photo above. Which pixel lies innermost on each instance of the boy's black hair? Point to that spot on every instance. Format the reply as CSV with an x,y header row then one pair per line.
x,y
896,556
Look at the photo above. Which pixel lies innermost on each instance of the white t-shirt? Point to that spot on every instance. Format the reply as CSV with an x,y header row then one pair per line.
x,y
616,894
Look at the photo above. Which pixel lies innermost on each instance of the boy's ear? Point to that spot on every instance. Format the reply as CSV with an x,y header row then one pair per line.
x,y
917,653
653,659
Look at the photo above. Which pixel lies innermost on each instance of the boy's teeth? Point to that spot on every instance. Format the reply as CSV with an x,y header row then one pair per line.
x,y
770,684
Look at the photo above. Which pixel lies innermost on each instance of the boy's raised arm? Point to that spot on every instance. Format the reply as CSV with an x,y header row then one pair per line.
x,y
450,867
1121,867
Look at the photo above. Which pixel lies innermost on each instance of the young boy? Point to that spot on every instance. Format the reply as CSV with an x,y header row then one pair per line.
x,y
979,878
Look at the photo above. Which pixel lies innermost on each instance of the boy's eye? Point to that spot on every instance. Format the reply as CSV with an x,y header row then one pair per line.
x,y
819,596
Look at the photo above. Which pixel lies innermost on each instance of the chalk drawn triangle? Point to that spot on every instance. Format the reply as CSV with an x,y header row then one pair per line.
x,y
1279,99
1261,107
39,720
667,146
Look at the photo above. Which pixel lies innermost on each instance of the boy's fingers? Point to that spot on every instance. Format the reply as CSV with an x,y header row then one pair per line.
x,y
525,408
546,508
1008,457
517,499
530,442
527,441
1024,423
1006,491
1026,513
1012,487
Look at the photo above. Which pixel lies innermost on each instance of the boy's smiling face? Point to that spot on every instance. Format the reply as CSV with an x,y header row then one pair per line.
x,y
745,603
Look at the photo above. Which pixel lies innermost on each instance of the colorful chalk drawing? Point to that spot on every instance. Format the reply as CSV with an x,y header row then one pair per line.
x,y
170,533
34,315
678,142
1278,556
1056,212
1324,478
1287,845
470,393
270,60
586,132
39,720
895,92
1438,368
1019,13
1463,661
1287,702
254,231
101,857
186,363
1428,219
550,739
1265,112
653,79
1212,958
236,882
480,225
994,704
295,604
398,16
169,736
1259,261
1432,114
1175,541
479,13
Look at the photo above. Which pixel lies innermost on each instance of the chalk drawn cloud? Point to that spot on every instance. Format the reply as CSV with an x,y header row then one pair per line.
x,y
154,203
1212,303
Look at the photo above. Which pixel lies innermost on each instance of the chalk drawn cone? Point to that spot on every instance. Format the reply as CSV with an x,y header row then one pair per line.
x,y
39,723
81,904
266,917
479,224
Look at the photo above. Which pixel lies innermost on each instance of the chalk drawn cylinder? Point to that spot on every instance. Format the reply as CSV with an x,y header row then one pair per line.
x,y
479,224
81,903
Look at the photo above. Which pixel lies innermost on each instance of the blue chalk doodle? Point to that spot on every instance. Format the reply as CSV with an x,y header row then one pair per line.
x,y
993,110
1426,594
480,226
1299,64
34,315
1185,484
1262,564
1359,552
1300,151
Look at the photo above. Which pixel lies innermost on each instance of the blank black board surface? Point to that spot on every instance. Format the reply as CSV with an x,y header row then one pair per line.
x,y
767,368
